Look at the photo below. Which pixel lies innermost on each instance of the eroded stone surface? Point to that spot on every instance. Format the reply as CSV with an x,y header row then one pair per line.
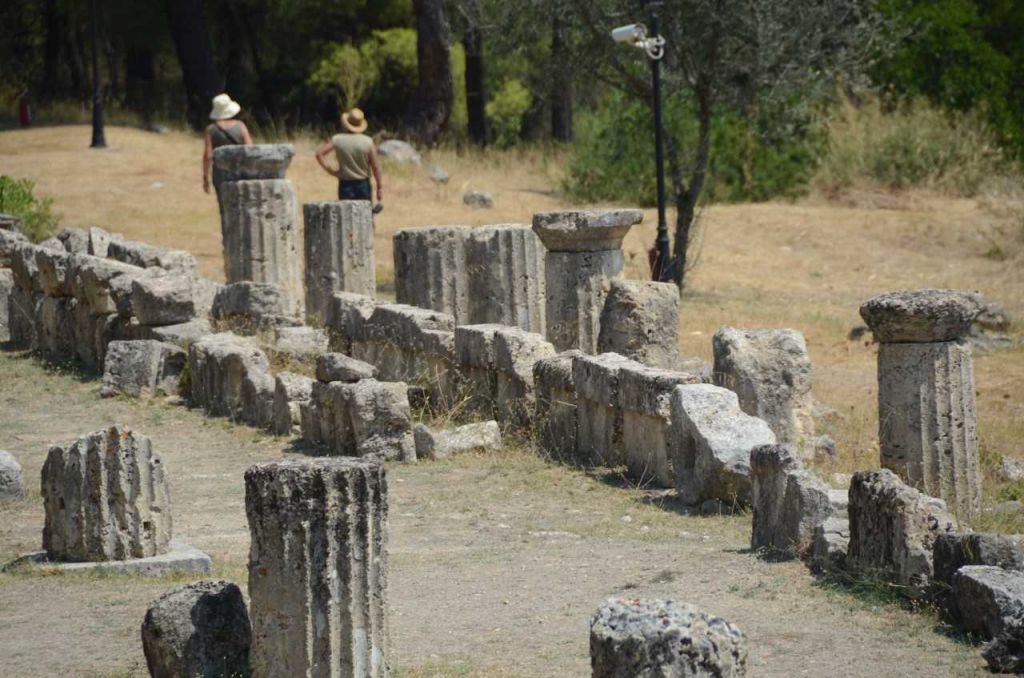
x,y
142,368
252,161
199,629
927,315
12,482
585,230
987,597
445,443
165,300
338,240
953,551
291,392
340,367
555,418
106,498
640,320
638,637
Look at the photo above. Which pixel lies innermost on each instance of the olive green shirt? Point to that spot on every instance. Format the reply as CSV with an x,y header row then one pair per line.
x,y
353,151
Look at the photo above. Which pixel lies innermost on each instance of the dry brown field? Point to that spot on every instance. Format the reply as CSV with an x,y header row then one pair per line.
x,y
498,560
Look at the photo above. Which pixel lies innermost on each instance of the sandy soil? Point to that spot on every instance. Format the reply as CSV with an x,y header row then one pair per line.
x,y
497,561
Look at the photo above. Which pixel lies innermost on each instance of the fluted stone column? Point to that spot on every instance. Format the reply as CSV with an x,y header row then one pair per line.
x,y
927,420
338,240
318,567
505,277
259,217
584,255
430,269
105,498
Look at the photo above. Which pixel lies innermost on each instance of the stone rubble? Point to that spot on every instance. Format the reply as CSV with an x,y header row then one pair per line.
x,y
142,368
640,320
443,444
12,482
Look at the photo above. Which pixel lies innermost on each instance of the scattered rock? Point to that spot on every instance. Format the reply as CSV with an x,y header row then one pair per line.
x,y
479,199
437,174
399,152
200,629
12,483
637,637
825,448
443,444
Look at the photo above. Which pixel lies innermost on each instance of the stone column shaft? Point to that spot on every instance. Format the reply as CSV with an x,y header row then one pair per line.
x,y
318,568
506,277
339,252
430,269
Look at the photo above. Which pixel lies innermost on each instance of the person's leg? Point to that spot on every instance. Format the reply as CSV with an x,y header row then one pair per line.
x,y
341,189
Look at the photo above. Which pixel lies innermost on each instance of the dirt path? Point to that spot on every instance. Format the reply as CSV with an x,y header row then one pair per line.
x,y
497,562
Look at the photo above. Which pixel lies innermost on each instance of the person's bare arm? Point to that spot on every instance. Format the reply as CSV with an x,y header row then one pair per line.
x,y
207,160
246,139
375,168
321,157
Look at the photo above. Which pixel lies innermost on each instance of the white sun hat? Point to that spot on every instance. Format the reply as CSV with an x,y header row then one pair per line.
x,y
224,108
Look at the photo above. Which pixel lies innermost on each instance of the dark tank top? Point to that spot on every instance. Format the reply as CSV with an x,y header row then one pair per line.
x,y
232,136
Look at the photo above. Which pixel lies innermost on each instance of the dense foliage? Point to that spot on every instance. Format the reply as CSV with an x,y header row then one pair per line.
x,y
38,220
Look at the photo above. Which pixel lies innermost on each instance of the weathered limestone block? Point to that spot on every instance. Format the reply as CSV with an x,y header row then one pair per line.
x,y
367,417
199,629
953,551
248,307
55,328
555,417
437,372
584,255
142,368
926,316
219,365
640,320
318,568
339,367
393,336
474,355
164,300
145,255
770,371
10,241
52,266
505,277
893,529
515,353
21,314
106,498
99,241
644,395
987,596
74,240
831,544
302,344
22,261
1005,654
338,242
430,269
598,416
6,291
928,424
789,502
252,161
710,444
291,392
346,315
259,228
181,335
99,282
638,637
443,444
12,482
258,395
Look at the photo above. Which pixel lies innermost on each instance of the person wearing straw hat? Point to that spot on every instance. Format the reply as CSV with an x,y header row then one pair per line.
x,y
223,131
357,158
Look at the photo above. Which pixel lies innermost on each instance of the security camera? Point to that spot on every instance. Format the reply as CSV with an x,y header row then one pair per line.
x,y
632,34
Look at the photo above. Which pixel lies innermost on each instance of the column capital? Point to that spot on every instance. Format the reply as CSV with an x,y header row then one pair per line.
x,y
585,230
253,161
928,315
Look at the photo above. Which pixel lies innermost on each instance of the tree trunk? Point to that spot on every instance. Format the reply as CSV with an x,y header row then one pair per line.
x,y
476,98
431,105
561,83
195,55
688,195
140,82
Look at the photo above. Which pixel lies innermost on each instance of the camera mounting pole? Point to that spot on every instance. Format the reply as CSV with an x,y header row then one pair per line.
x,y
654,45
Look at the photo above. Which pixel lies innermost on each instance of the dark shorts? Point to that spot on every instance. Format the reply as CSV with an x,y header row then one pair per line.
x,y
354,190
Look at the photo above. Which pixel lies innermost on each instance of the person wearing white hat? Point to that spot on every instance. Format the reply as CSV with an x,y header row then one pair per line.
x,y
224,131
357,159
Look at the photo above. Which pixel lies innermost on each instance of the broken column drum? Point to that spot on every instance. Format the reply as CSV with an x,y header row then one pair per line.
x,y
430,269
584,253
259,221
927,419
338,239
505,277
318,567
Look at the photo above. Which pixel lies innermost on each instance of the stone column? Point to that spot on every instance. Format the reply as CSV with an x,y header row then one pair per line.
x,y
258,212
927,420
339,253
318,567
430,269
105,498
584,255
505,277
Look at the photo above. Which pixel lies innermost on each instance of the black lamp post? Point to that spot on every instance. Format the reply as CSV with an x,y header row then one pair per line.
x,y
98,140
654,46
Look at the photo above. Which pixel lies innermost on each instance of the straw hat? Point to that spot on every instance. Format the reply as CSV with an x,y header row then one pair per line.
x,y
354,121
224,108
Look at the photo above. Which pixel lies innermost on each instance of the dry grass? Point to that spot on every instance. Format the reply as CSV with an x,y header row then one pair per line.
x,y
807,265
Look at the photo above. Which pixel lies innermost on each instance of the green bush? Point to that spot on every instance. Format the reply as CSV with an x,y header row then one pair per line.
x,y
913,146
505,112
613,155
38,221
